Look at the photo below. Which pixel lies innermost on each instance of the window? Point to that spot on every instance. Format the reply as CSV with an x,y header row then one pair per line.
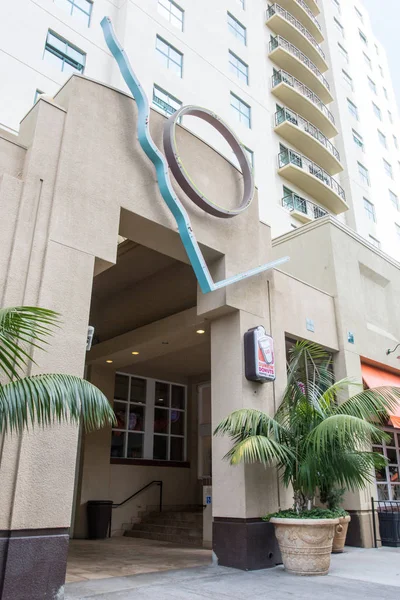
x,y
238,30
397,230
63,55
171,58
367,60
358,140
79,9
339,27
396,144
364,174
336,4
343,52
370,210
374,242
352,108
167,103
377,111
372,85
250,156
363,37
238,68
394,199
359,15
385,93
242,110
151,419
382,139
241,3
381,70
390,116
377,50
387,478
388,168
172,12
348,80
37,94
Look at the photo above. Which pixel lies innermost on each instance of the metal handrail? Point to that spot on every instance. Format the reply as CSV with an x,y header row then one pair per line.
x,y
145,487
284,114
277,9
294,202
283,76
309,12
304,163
280,41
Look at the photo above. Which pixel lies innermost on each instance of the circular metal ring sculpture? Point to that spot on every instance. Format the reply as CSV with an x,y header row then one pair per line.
x,y
182,176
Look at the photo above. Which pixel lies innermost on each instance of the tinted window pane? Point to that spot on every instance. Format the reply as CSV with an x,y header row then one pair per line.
x,y
117,444
136,418
177,422
392,455
120,414
162,394
177,448
160,447
135,445
121,387
161,420
138,390
178,397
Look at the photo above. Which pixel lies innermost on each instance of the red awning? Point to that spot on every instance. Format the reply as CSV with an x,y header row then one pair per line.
x,y
374,377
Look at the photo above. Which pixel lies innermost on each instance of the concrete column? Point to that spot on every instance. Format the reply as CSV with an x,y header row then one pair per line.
x,y
242,494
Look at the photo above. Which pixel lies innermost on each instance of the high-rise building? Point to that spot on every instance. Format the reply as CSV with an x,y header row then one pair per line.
x,y
304,83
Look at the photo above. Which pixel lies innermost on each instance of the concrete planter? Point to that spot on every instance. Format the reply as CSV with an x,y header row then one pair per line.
x,y
340,534
305,544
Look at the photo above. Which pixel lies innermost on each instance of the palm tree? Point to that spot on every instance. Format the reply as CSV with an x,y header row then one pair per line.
x,y
41,399
315,441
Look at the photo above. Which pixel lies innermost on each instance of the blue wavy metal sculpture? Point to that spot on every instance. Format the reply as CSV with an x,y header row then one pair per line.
x,y
174,204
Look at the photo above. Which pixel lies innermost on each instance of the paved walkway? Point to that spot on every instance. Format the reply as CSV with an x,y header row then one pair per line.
x,y
355,575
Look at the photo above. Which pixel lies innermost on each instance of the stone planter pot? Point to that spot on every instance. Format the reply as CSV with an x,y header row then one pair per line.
x,y
340,534
305,544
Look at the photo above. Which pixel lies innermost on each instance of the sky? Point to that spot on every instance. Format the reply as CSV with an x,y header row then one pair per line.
x,y
385,19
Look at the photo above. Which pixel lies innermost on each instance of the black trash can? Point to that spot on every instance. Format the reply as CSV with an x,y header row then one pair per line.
x,y
389,525
99,518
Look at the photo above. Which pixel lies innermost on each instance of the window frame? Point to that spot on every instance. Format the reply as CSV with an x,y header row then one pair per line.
x,y
169,11
63,56
170,96
343,52
239,112
388,168
358,139
369,208
394,199
350,106
382,138
348,79
74,6
375,242
148,432
240,32
382,449
364,174
169,59
234,68
377,111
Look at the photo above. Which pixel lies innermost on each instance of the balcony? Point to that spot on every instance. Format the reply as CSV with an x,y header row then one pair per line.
x,y
303,210
302,11
291,59
311,178
299,97
308,139
283,23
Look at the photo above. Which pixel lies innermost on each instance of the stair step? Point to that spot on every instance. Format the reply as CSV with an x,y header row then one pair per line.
x,y
169,529
180,521
163,537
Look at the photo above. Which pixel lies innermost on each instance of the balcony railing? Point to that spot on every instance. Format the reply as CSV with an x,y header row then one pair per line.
x,y
309,12
284,77
280,41
277,9
294,202
290,157
284,114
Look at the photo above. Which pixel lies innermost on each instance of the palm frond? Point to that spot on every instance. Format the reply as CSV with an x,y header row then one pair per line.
x,y
48,399
260,449
20,328
247,422
371,404
343,432
350,470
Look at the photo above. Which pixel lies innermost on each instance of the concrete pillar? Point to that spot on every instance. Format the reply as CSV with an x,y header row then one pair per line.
x,y
242,494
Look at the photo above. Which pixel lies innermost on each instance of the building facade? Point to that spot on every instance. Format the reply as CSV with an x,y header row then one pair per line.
x,y
304,83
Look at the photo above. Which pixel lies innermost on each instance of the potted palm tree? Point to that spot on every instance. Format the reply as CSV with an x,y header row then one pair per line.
x,y
41,399
333,498
312,437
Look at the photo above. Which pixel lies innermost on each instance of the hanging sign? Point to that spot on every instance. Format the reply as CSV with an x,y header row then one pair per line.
x,y
259,356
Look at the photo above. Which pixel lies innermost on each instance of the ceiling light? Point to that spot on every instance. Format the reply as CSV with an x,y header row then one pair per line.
x,y
135,353
200,331
109,361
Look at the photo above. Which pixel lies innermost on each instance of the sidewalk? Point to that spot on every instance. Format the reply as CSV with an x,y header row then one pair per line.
x,y
356,575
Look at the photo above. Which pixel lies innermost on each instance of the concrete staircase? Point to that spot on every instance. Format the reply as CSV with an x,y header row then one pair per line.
x,y
183,527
